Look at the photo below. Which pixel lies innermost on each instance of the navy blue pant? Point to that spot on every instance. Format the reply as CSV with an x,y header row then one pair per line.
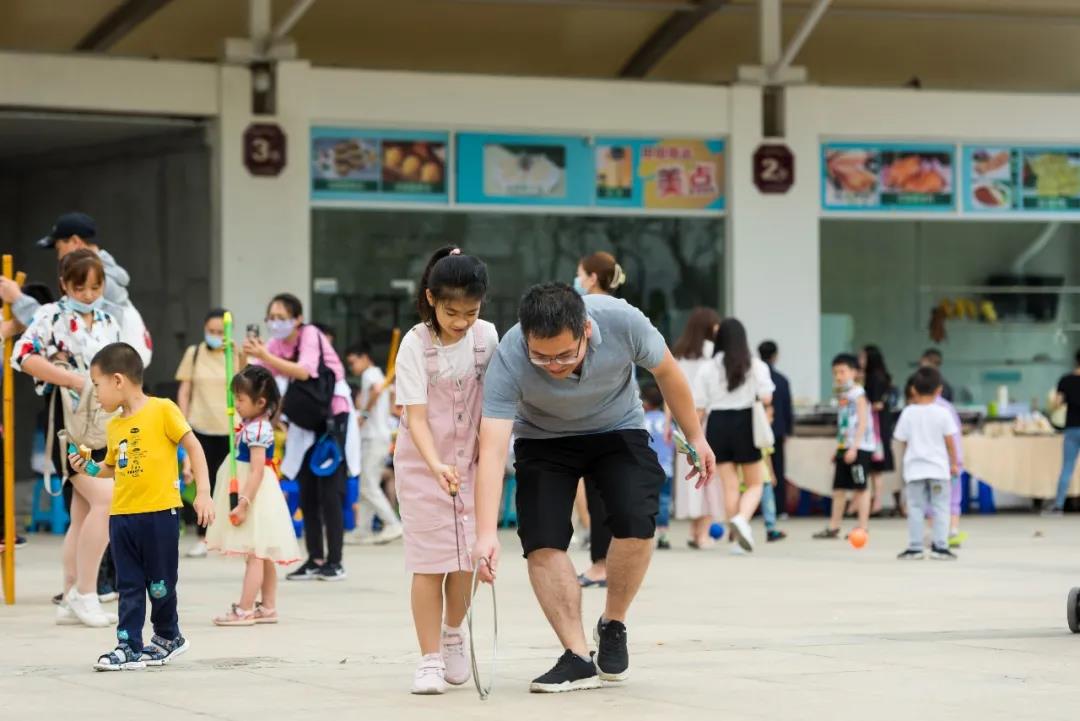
x,y
145,548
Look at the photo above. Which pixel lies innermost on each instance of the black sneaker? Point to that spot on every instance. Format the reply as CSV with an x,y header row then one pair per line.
x,y
774,536
309,571
612,658
942,554
161,651
20,541
912,554
663,544
828,533
58,599
570,673
106,593
331,572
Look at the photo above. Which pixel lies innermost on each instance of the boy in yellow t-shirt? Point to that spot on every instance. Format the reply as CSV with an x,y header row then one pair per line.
x,y
144,527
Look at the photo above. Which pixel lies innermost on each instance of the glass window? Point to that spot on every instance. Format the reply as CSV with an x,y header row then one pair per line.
x,y
376,258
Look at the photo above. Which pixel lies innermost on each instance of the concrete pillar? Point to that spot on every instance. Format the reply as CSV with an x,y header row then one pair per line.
x,y
773,244
263,225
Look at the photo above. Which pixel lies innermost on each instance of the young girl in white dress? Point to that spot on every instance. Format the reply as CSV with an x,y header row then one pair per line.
x,y
260,527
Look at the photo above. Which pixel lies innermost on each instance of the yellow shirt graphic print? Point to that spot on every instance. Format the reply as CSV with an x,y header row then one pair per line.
x,y
142,450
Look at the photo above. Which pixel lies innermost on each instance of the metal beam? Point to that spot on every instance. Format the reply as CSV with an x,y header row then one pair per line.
x,y
291,18
119,23
667,36
801,35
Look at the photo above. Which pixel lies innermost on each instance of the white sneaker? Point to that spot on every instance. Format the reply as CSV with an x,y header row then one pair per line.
x,y
87,608
744,535
455,655
198,550
389,534
430,678
65,616
357,539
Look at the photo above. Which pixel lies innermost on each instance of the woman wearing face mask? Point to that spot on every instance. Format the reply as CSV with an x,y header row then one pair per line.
x,y
202,375
293,354
56,351
597,274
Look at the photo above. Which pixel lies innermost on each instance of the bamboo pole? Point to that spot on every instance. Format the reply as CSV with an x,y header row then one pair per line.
x,y
9,455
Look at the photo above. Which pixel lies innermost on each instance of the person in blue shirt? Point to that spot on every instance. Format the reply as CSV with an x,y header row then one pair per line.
x,y
662,443
783,423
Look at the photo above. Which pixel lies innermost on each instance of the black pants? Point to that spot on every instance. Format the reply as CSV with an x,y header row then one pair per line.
x,y
322,501
781,480
216,449
145,548
599,533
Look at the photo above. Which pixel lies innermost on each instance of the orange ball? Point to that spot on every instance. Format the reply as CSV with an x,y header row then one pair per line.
x,y
858,538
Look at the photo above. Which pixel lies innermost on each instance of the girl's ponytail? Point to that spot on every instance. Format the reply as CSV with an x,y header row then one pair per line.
x,y
450,274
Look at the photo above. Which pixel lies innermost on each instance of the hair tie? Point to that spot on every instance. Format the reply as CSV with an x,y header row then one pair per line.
x,y
455,251
620,277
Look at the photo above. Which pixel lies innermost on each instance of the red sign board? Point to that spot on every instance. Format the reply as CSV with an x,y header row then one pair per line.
x,y
774,168
264,149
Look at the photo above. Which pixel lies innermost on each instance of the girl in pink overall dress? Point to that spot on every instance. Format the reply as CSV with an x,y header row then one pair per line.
x,y
440,374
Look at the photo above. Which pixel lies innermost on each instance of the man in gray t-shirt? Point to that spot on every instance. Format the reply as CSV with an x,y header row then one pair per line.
x,y
562,381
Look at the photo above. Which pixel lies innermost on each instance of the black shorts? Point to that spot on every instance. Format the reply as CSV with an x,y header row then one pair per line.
x,y
852,477
731,436
621,464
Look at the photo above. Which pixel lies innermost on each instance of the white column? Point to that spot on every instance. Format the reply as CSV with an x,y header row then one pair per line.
x,y
263,223
773,245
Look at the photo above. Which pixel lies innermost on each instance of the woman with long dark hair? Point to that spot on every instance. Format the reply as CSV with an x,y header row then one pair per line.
x,y
692,350
882,397
725,391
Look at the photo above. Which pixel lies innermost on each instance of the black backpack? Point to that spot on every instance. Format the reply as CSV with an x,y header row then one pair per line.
x,y
307,403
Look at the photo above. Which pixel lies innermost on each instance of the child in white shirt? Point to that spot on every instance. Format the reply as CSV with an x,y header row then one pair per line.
x,y
926,430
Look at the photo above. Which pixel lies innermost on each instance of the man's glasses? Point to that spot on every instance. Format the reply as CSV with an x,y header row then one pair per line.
x,y
563,359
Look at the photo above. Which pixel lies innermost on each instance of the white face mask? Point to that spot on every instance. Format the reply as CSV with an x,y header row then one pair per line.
x,y
80,307
280,329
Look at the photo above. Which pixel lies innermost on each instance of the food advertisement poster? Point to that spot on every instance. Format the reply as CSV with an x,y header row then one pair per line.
x,y
523,170
669,174
1012,179
381,165
888,177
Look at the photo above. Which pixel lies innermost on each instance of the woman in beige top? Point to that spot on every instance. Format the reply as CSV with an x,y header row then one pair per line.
x,y
202,375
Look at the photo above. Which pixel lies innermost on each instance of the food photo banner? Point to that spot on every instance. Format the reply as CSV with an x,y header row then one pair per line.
x,y
379,165
1010,179
890,177
650,174
669,174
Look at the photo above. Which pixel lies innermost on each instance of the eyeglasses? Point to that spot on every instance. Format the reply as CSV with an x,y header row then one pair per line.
x,y
564,359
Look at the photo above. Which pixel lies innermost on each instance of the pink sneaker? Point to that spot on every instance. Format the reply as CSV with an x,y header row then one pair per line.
x,y
430,678
455,656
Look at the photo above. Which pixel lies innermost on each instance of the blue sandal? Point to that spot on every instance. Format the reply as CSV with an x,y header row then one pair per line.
x,y
121,658
586,582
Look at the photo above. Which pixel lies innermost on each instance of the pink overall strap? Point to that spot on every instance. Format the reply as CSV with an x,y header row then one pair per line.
x,y
431,353
478,353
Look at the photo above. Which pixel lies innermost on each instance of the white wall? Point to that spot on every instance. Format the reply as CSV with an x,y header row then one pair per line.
x,y
108,85
773,276
263,223
394,99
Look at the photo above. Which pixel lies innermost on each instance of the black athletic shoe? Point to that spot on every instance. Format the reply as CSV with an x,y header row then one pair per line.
x,y
942,554
570,673
663,544
57,599
612,658
331,572
309,571
827,534
912,554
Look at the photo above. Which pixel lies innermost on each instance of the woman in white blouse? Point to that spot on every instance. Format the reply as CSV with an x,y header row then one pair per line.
x,y
692,350
725,391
